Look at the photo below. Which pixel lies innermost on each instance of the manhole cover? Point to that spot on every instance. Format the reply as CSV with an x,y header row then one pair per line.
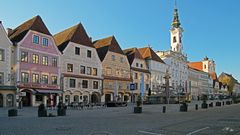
x,y
100,133
63,128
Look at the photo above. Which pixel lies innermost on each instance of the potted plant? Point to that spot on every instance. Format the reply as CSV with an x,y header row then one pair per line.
x,y
184,107
42,112
204,104
138,108
61,109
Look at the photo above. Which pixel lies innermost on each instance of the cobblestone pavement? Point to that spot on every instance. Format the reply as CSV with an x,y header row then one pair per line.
x,y
224,120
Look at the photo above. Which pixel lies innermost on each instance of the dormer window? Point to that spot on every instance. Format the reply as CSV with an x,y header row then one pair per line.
x,y
113,57
35,39
45,42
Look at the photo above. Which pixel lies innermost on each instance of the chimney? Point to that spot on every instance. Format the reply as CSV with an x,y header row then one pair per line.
x,y
9,31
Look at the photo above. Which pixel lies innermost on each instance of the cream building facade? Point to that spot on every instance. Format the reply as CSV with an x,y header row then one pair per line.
x,y
116,70
139,69
81,67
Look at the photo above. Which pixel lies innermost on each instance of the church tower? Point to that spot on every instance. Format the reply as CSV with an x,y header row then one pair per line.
x,y
176,33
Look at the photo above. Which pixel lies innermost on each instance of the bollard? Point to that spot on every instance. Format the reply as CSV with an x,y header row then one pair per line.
x,y
164,109
223,103
196,106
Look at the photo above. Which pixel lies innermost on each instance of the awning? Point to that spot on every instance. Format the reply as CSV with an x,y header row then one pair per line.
x,y
49,91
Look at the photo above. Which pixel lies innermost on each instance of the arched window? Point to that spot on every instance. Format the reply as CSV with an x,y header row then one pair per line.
x,y
174,39
9,100
67,99
76,98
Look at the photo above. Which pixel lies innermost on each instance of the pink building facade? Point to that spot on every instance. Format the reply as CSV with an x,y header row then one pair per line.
x,y
37,66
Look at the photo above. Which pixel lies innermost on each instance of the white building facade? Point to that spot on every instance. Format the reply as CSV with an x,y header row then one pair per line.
x,y
175,58
7,88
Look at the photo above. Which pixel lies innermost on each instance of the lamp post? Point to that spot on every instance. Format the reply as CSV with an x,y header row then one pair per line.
x,y
167,77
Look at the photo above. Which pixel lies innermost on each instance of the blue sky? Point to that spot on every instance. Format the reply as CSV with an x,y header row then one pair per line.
x,y
211,27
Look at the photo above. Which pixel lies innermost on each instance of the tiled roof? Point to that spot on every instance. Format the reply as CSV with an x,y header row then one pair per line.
x,y
196,65
214,76
35,24
148,53
107,44
76,34
132,53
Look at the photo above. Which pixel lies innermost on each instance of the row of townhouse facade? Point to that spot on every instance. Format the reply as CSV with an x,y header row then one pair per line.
x,y
38,67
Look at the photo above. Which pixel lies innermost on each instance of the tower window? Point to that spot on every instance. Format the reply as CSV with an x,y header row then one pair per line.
x,y
174,39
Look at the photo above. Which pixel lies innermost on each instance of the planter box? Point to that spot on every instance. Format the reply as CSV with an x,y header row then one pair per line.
x,y
228,103
137,109
204,105
42,113
211,104
183,108
61,112
218,103
12,112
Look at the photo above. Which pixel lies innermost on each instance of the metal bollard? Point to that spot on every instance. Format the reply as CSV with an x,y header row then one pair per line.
x,y
164,109
196,106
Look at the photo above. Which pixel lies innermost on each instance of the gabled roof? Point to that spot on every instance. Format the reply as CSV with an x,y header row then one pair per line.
x,y
148,53
76,34
132,53
196,65
107,44
214,76
35,24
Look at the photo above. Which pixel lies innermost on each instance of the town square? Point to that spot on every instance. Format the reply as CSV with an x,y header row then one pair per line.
x,y
119,68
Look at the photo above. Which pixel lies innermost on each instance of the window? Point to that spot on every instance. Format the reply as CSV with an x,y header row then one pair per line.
x,y
82,69
141,65
174,39
24,57
45,42
76,98
1,78
1,55
136,76
39,97
94,71
24,77
35,58
89,70
54,80
113,57
54,62
45,60
77,50
35,39
136,64
109,71
180,39
35,78
121,60
45,79
95,84
72,83
84,84
70,67
136,86
89,53
205,66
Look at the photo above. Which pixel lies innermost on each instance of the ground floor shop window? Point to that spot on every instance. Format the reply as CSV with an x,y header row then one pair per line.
x,y
76,98
10,100
39,97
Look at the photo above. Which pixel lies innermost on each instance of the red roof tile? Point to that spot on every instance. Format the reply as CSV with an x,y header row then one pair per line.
x,y
196,65
35,24
148,53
